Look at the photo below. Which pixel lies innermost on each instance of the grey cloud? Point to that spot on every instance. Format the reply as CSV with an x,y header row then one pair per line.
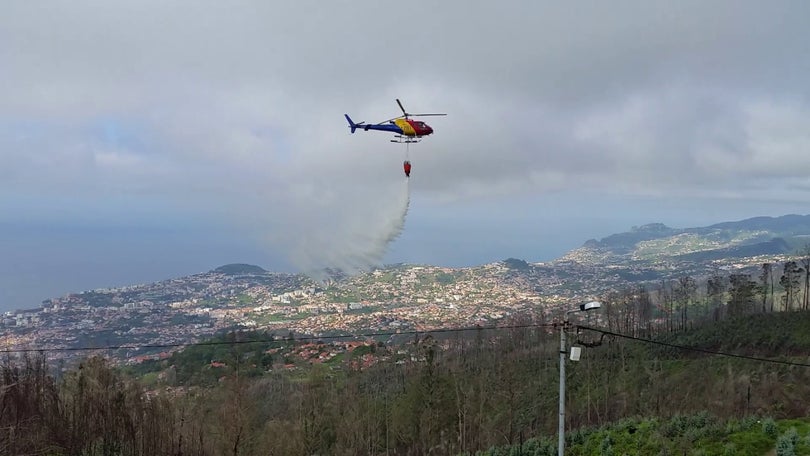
x,y
237,109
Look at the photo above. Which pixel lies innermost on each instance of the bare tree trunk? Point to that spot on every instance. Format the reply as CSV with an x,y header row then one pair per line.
x,y
806,266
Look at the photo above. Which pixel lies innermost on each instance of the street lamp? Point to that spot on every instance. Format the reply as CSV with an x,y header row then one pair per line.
x,y
582,308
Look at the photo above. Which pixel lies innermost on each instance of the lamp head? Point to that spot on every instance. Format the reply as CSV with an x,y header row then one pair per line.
x,y
590,306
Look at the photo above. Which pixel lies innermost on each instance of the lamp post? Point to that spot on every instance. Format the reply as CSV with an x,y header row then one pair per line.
x,y
582,308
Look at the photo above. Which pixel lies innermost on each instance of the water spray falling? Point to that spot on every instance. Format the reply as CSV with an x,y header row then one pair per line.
x,y
362,246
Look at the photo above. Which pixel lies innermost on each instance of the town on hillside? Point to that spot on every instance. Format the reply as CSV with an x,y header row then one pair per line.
x,y
155,319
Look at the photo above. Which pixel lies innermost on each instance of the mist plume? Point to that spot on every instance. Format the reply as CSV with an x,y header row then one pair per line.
x,y
358,241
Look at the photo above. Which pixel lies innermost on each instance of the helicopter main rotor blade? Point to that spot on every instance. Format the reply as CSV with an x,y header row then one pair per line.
x,y
403,109
423,115
389,120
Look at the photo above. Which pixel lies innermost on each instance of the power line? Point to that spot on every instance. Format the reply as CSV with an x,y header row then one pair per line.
x,y
284,339
695,349
399,333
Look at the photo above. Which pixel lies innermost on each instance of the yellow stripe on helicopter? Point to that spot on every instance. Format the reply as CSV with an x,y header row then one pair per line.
x,y
406,127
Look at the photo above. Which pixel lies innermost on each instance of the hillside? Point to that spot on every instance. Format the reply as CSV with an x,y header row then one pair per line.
x,y
239,268
656,251
727,239
485,391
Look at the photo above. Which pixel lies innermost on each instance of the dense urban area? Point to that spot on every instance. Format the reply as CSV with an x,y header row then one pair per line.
x,y
167,315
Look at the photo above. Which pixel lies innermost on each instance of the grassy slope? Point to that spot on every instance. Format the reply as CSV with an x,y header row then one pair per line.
x,y
699,435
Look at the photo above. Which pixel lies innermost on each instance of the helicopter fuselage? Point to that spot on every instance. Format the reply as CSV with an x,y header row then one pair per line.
x,y
404,127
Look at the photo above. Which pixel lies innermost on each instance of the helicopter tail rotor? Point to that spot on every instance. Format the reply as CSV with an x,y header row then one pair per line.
x,y
352,125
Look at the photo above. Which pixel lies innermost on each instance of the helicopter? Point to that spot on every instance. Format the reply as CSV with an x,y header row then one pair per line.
x,y
405,129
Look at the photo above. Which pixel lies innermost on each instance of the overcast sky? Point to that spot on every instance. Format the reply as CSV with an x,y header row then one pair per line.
x,y
142,140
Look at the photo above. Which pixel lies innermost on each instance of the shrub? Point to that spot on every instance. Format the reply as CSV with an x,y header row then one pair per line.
x,y
792,435
577,437
606,448
769,428
674,427
784,447
748,423
701,420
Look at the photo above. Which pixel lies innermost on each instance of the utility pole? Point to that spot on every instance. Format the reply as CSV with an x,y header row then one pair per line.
x,y
561,426
563,352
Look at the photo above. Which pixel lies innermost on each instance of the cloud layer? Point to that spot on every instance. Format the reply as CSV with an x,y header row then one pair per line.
x,y
235,110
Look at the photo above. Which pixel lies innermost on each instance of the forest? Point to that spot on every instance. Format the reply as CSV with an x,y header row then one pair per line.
x,y
650,379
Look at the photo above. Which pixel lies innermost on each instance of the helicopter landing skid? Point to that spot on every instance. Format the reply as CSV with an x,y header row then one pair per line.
x,y
405,139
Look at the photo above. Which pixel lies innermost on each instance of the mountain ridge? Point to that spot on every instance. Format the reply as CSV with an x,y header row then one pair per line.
x,y
753,236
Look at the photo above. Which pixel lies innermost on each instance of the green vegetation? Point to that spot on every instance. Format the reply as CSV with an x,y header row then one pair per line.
x,y
262,318
363,310
514,263
344,298
237,269
197,364
698,434
485,392
444,278
778,334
